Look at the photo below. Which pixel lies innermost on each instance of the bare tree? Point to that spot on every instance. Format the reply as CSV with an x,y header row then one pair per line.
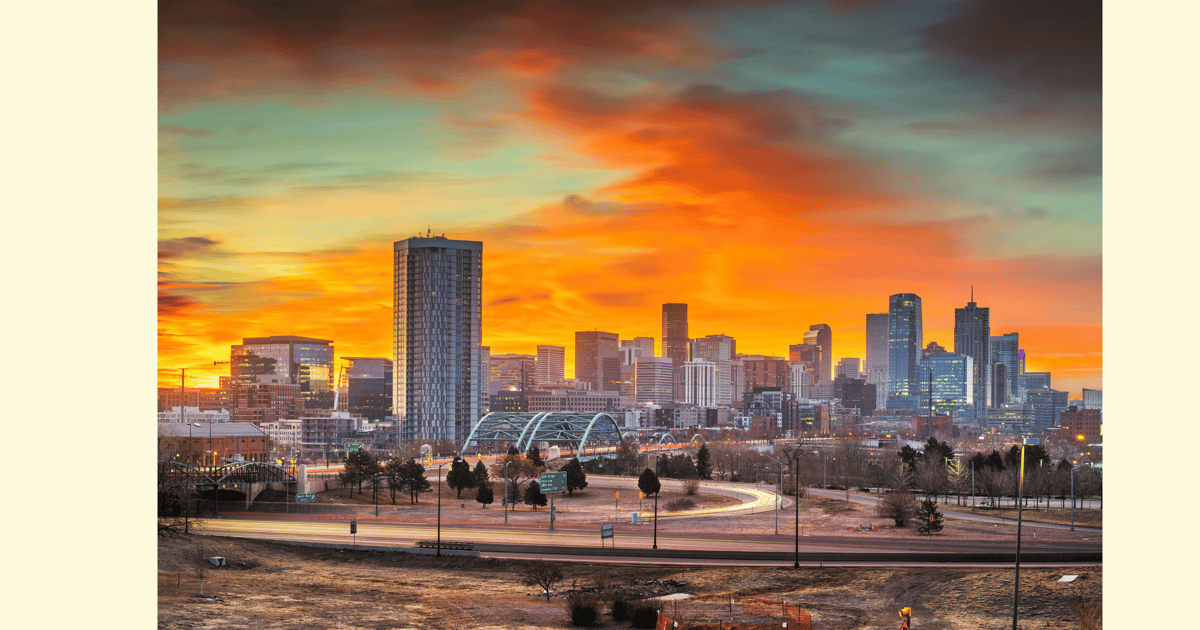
x,y
958,476
543,574
898,505
200,565
931,477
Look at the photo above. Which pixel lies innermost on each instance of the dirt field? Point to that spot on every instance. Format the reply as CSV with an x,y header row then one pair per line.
x,y
276,586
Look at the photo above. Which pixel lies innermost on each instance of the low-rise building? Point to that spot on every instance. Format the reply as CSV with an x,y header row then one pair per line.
x,y
193,414
215,443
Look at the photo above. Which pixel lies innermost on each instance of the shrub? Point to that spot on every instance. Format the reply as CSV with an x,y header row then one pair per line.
x,y
584,609
1088,612
691,486
680,504
643,614
620,609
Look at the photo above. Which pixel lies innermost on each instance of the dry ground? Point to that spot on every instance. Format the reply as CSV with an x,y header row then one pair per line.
x,y
268,585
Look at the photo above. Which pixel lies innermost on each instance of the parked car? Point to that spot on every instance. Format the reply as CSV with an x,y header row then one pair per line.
x,y
985,504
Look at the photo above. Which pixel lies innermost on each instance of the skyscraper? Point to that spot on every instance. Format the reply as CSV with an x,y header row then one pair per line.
x,y
646,344
675,342
368,390
821,335
654,380
951,376
302,361
551,365
598,360
437,318
810,356
877,356
850,367
904,350
1005,351
719,349
700,383
972,331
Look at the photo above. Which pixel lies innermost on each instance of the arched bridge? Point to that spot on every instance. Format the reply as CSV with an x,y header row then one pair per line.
x,y
575,431
247,478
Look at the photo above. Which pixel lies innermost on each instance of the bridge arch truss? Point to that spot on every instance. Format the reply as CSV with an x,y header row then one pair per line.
x,y
574,431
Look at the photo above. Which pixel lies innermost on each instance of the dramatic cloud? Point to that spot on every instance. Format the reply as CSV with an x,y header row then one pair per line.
x,y
1044,45
177,247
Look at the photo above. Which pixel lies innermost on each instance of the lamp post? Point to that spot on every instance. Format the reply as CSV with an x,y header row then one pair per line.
x,y
1020,492
439,519
778,491
506,465
1073,494
796,480
187,488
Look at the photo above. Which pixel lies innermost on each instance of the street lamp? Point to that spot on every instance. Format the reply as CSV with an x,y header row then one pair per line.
x,y
778,491
439,519
506,465
1020,492
187,488
1073,493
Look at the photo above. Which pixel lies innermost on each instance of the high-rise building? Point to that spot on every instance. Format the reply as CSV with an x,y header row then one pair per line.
x,y
1093,399
855,393
302,361
719,350
1037,380
675,332
810,356
905,339
952,378
512,372
1047,405
654,377
801,386
701,383
598,360
485,391
972,332
822,336
764,371
646,344
368,389
437,330
1005,351
877,356
850,367
551,365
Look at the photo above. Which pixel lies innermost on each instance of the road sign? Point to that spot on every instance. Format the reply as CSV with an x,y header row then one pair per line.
x,y
353,446
606,531
306,497
553,482
354,526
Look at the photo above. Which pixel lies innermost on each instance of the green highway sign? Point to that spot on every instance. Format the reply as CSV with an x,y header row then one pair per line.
x,y
353,446
306,497
553,482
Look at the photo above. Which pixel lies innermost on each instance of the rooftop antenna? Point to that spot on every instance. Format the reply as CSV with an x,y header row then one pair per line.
x,y
972,293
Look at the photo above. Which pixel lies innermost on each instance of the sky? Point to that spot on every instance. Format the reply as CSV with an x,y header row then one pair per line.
x,y
772,164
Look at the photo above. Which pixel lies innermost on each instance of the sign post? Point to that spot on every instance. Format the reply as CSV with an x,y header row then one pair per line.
x,y
606,531
553,483
354,532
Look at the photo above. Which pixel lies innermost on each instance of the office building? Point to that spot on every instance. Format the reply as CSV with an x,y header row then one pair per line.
x,y
762,371
1047,404
512,372
952,379
855,393
598,360
368,388
217,443
810,356
877,346
437,329
1093,399
1005,351
203,398
654,377
302,361
849,367
645,344
193,414
551,365
675,341
485,383
821,335
972,334
268,400
719,349
1081,426
799,381
1037,380
577,401
701,383
905,341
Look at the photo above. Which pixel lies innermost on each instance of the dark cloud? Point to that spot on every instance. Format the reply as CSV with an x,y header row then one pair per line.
x,y
178,247
641,266
1067,166
507,299
172,304
1043,45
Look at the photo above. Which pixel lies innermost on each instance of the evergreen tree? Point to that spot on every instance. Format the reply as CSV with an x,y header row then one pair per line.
x,y
936,451
535,456
704,463
412,479
928,517
576,477
512,450
480,474
459,477
534,496
485,496
648,482
909,456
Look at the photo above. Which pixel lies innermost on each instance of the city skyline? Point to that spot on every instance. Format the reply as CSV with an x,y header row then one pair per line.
x,y
716,159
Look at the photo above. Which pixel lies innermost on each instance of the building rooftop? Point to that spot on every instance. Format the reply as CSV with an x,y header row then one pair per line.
x,y
219,429
250,341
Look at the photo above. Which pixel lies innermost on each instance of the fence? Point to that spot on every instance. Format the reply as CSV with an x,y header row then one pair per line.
x,y
792,615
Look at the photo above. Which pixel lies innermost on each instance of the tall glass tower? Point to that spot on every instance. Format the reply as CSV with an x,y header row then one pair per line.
x,y
972,331
675,342
302,361
905,341
437,315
